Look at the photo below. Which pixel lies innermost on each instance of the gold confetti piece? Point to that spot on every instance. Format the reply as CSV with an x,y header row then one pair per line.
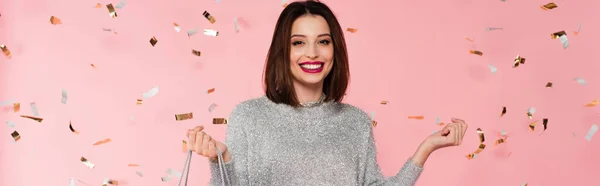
x,y
476,52
556,35
374,123
33,118
384,102
549,6
16,107
93,66
593,103
416,117
210,90
530,112
549,85
352,30
153,41
111,10
55,20
518,60
185,116
545,123
469,39
474,154
87,163
103,141
211,32
16,136
184,146
197,53
108,181
220,121
212,107
98,5
177,27
591,132
532,125
139,102
503,111
72,129
499,141
5,51
133,165
209,17
481,135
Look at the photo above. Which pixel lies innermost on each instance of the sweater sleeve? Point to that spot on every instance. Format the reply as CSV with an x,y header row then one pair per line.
x,y
237,144
407,176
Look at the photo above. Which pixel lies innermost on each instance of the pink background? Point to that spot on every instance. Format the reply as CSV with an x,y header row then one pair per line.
x,y
411,53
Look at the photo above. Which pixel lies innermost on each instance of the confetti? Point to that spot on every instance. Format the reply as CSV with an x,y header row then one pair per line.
x,y
210,32
153,41
121,4
7,102
578,29
109,30
236,25
384,102
172,172
438,122
530,112
87,163
493,69
98,5
184,146
211,107
481,135
416,117
518,60
190,33
64,97
10,124
196,52
492,29
16,107
71,182
133,165
108,181
503,111
524,184
177,27
499,141
72,129
34,109
150,93
549,6
470,40
545,123
564,41
139,173
165,178
220,121
93,66
352,30
139,102
532,125
185,116
5,51
476,52
16,136
591,132
111,10
55,20
210,18
103,141
549,85
210,91
581,81
374,123
593,103
33,118
556,35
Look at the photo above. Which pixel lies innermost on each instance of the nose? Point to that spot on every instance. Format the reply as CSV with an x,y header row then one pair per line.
x,y
312,52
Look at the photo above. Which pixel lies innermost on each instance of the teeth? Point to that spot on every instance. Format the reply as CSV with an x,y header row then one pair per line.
x,y
311,66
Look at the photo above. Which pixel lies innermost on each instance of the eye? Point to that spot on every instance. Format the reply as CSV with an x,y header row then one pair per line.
x,y
325,42
297,43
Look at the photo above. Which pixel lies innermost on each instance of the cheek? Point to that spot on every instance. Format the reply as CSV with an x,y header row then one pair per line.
x,y
295,55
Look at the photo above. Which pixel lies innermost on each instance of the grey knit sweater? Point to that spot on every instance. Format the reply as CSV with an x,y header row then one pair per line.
x,y
328,144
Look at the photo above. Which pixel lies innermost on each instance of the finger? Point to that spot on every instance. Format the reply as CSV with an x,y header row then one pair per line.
x,y
459,134
456,135
199,128
456,120
212,148
198,145
445,131
192,140
205,144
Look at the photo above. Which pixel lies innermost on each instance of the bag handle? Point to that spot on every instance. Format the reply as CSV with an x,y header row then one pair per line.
x,y
188,160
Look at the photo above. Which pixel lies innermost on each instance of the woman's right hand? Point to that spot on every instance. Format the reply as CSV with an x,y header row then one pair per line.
x,y
204,145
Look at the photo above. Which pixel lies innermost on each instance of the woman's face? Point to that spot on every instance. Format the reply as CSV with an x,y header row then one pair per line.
x,y
311,53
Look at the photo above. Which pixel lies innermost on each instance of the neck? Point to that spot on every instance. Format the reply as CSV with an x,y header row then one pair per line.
x,y
308,93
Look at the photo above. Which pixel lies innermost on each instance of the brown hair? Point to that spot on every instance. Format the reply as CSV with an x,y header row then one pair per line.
x,y
278,76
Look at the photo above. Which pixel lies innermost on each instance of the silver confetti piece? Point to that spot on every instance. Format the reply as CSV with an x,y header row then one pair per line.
x,y
372,115
190,33
10,124
212,107
493,69
34,109
7,102
591,132
173,173
492,29
530,112
71,182
165,178
579,28
139,173
236,25
565,42
107,29
64,97
121,4
437,120
581,81
210,32
151,93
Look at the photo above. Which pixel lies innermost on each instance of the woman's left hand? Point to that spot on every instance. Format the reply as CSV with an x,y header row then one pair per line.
x,y
451,135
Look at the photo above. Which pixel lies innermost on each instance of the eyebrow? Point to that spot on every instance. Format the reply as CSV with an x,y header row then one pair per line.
x,y
320,35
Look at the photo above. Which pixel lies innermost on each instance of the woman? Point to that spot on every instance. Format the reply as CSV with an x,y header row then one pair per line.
x,y
300,133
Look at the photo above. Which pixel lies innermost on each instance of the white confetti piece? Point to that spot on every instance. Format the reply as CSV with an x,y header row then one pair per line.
x,y
591,132
87,163
236,25
71,182
190,33
581,81
174,173
492,29
212,107
64,97
503,133
131,118
493,69
34,109
372,114
530,112
10,124
151,93
177,27
283,2
437,120
121,4
139,173
564,41
211,32
165,178
7,102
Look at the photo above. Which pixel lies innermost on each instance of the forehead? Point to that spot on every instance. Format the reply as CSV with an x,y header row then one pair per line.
x,y
310,25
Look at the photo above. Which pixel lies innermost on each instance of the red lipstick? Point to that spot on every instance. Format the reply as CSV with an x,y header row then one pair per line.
x,y
312,66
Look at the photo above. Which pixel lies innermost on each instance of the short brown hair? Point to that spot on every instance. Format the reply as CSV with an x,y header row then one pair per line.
x,y
278,76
